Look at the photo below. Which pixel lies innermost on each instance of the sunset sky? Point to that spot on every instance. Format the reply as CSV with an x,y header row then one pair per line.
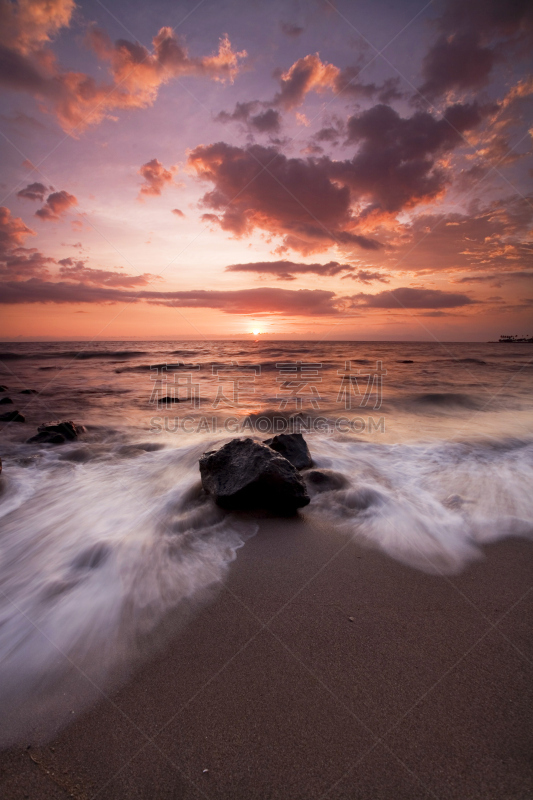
x,y
323,169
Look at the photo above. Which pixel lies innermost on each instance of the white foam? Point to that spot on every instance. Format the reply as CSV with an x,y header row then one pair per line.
x,y
93,559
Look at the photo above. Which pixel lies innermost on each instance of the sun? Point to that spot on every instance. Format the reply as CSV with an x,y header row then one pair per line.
x,y
256,332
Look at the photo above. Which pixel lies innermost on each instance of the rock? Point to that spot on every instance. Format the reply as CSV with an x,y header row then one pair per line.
x,y
325,480
407,361
65,427
168,400
245,474
12,416
5,400
47,437
28,391
3,388
293,447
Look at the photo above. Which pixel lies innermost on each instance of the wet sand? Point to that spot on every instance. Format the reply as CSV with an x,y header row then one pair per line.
x,y
322,669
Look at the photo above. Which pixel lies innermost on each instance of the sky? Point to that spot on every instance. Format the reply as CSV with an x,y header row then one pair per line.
x,y
328,169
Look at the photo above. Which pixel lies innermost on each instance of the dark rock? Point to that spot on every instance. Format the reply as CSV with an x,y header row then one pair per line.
x,y
5,400
325,480
3,388
293,447
47,437
245,474
28,391
12,416
168,400
65,427
408,361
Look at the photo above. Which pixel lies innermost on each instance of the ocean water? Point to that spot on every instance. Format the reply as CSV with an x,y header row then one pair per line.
x,y
107,545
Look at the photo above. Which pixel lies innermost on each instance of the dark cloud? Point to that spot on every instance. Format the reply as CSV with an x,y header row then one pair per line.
x,y
34,191
458,63
287,270
368,276
396,165
302,302
474,35
156,177
267,121
291,29
309,201
245,301
501,277
488,17
407,297
57,204
347,83
258,187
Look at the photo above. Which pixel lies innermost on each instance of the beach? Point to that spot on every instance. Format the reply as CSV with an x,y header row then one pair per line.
x,y
322,668
373,645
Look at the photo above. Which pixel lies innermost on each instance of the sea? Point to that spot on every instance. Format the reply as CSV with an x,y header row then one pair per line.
x,y
107,544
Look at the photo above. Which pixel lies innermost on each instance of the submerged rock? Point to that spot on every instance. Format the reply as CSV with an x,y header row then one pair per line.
x,y
65,427
12,416
5,400
3,388
57,432
168,399
293,447
245,474
325,480
28,391
47,437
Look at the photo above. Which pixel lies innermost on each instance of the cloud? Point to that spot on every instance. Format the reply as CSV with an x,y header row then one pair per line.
x,y
34,191
302,302
473,37
156,177
258,187
27,25
291,29
178,212
495,236
525,275
407,297
310,202
286,270
57,204
78,271
367,276
397,163
17,261
458,63
268,121
306,74
28,64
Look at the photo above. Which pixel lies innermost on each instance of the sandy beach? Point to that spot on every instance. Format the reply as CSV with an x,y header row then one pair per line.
x,y
321,669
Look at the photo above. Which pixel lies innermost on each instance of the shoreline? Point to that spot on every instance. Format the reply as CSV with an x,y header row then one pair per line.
x,y
321,668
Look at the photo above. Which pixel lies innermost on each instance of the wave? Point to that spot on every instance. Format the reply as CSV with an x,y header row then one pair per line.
x,y
431,507
77,354
100,562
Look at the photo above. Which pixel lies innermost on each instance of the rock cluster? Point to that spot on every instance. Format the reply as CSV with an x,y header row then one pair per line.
x,y
245,474
57,432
